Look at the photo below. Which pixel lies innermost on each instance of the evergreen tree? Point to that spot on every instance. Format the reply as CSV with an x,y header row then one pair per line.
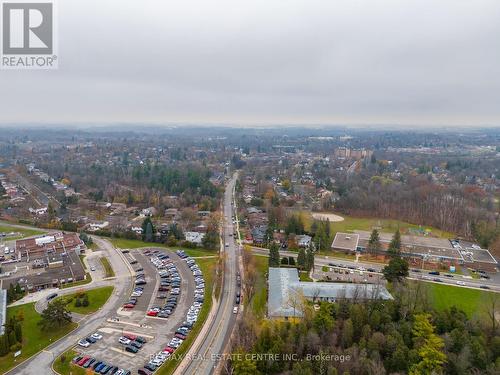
x,y
274,255
147,229
374,244
301,258
395,244
309,264
396,270
56,315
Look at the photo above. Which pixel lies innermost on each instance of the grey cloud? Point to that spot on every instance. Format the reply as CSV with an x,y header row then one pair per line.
x,y
261,62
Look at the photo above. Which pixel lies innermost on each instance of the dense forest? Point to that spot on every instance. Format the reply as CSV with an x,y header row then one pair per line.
x,y
402,336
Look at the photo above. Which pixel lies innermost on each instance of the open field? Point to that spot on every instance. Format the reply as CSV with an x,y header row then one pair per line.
x,y
327,216
350,224
208,267
124,243
63,364
23,232
200,252
472,301
136,244
97,298
107,267
259,300
34,339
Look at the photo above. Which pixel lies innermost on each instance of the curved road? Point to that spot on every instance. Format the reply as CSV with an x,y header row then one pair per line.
x,y
41,363
204,360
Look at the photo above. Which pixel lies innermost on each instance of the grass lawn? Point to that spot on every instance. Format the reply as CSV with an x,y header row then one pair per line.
x,y
124,243
208,267
34,340
471,301
107,267
337,254
23,232
304,276
66,367
200,252
387,225
97,298
87,280
259,300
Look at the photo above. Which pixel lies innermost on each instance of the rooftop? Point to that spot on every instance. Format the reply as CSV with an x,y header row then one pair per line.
x,y
285,291
346,241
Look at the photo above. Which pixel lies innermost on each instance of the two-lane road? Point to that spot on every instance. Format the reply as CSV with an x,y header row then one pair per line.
x,y
206,357
41,363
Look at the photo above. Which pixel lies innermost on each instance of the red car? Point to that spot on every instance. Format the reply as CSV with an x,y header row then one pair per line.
x,y
169,349
130,336
128,306
82,361
180,336
152,313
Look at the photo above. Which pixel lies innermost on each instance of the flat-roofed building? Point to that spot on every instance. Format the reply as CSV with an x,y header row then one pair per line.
x,y
56,243
345,241
287,293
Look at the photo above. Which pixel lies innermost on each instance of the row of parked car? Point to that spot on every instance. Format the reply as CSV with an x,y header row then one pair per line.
x,y
99,367
168,270
159,358
170,281
92,339
131,342
140,280
199,291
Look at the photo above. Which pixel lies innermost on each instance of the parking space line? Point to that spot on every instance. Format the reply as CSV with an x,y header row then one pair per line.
x,y
109,330
121,351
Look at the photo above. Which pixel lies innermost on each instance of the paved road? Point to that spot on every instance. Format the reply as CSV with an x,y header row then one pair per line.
x,y
203,361
321,260
41,362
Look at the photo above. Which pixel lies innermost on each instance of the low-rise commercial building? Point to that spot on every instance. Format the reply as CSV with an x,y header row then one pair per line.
x,y
287,294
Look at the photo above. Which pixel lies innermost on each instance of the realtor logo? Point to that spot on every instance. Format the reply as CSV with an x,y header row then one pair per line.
x,y
28,35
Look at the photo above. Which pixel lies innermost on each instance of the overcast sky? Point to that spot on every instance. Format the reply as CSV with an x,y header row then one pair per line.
x,y
428,62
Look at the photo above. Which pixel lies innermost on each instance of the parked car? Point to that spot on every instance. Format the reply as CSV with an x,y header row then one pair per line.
x,y
138,345
124,340
89,363
131,349
84,343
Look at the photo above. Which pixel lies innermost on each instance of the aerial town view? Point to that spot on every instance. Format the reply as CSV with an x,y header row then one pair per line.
x,y
240,188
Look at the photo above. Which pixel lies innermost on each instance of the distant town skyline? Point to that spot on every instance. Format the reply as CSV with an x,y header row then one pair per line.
x,y
261,63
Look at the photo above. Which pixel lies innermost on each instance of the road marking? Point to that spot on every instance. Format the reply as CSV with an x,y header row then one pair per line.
x,y
121,351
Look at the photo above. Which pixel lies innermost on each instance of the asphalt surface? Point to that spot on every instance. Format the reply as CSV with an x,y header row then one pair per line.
x,y
41,363
205,360
157,331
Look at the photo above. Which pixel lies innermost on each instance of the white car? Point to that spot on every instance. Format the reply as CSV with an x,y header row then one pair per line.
x,y
123,340
96,336
157,362
460,283
235,310
92,268
84,343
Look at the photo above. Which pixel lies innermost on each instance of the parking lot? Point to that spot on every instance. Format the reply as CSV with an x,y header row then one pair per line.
x,y
157,332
